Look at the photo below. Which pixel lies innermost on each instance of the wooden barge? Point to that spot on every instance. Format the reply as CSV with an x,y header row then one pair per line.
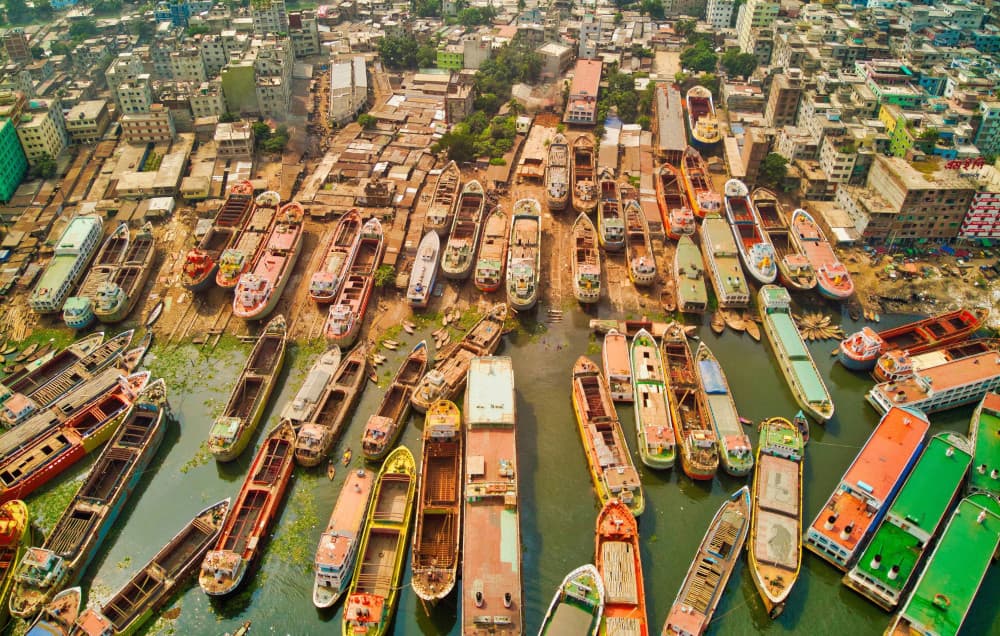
x,y
385,425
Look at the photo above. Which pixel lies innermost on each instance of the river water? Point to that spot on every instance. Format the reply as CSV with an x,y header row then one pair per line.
x,y
558,507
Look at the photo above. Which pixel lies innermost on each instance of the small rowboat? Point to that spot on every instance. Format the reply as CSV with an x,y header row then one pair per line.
x,y
41,352
668,297
154,315
331,470
752,329
409,327
734,320
372,376
24,355
718,324
347,457
9,349
391,345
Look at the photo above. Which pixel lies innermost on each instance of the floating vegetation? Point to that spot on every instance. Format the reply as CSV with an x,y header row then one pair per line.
x,y
47,508
391,333
593,345
305,353
469,317
200,458
124,563
294,543
60,338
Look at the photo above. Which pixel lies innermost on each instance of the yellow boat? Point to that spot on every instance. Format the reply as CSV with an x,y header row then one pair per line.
x,y
13,538
374,591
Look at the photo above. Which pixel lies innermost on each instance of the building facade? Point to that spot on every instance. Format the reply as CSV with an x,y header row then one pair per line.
x,y
234,140
42,130
13,163
719,13
269,17
782,106
155,126
581,106
87,121
348,89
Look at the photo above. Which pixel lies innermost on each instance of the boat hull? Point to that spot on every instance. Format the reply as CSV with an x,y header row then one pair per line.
x,y
279,289
230,452
203,282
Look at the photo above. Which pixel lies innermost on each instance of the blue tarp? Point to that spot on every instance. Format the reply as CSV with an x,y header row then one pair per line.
x,y
711,377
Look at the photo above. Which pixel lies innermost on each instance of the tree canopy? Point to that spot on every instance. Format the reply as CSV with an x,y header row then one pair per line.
x,y
738,64
511,64
699,57
476,16
426,8
398,52
773,170
479,136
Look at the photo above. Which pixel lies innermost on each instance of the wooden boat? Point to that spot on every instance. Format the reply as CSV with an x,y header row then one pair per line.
x,y
155,584
704,200
49,369
688,411
318,433
39,352
59,615
617,368
706,580
896,365
117,295
447,378
260,287
801,423
424,272
72,255
586,261
441,210
237,258
437,534
385,425
78,311
938,388
604,446
524,253
374,592
15,536
338,252
754,247
248,524
752,329
232,431
301,407
653,427
689,277
722,263
338,545
132,358
734,320
702,121
78,534
735,450
557,175
794,269
154,315
578,605
460,251
202,262
984,435
347,314
668,296
346,459
638,247
490,264
832,277
583,175
718,322
610,220
619,561
678,219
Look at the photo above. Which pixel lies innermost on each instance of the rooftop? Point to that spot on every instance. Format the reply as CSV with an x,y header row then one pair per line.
x,y
490,395
586,78
878,466
941,378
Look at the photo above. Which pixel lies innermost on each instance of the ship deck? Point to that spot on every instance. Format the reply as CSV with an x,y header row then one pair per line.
x,y
878,467
346,519
378,564
801,361
616,358
987,445
778,512
951,375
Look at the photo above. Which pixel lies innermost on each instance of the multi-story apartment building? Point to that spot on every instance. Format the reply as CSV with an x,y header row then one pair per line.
x,y
188,65
155,126
124,68
234,140
752,16
892,82
476,49
87,121
983,218
135,96
837,156
590,36
581,106
719,13
348,89
304,33
794,143
13,163
987,138
783,99
269,17
207,99
259,82
42,129
15,42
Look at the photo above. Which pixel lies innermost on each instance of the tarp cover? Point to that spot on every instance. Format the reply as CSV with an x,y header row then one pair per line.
x,y
711,377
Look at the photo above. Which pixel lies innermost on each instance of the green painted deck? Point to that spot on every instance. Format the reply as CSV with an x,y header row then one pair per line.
x,y
789,335
986,441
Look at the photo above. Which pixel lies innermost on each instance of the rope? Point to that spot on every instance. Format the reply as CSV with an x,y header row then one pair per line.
x,y
811,443
729,611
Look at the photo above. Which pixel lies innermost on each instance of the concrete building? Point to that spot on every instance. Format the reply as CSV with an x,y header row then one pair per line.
x,y
135,96
234,140
188,65
756,146
304,33
269,17
207,100
124,68
783,99
754,15
42,129
475,50
590,36
87,121
217,50
15,42
581,107
556,58
983,218
719,13
837,156
348,89
259,82
892,82
155,126
988,136
13,163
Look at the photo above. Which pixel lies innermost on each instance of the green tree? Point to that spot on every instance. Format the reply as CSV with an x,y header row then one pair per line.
x,y
459,144
773,170
17,11
426,54
367,121
644,121
738,64
106,7
398,52
227,118
143,29
476,16
699,57
83,29
384,275
652,8
198,29
511,64
37,52
60,48
426,8
261,132
685,28
44,167
618,17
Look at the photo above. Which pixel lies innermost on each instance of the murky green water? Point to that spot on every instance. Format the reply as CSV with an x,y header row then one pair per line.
x,y
558,508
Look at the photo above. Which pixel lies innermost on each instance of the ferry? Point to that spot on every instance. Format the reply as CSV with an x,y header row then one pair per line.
x,y
437,534
845,522
604,446
688,411
586,261
77,536
794,269
424,272
524,253
984,434
755,249
318,433
704,125
689,277
338,545
619,562
375,586
338,252
735,450
386,424
942,387
300,408
654,429
895,365
860,351
236,259
711,568
346,315
638,247
617,366
610,221
441,210
59,614
25,380
491,536
704,200
943,593
202,262
154,585
557,174
678,219
232,431
73,253
116,297
793,356
583,175
78,310
15,536
883,571
459,253
832,278
248,523
722,263
577,605
775,550
490,265
259,289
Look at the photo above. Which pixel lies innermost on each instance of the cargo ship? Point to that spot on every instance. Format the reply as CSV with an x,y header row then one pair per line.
x,y
793,356
232,431
619,562
557,174
338,545
375,588
654,429
202,262
832,278
71,257
237,258
775,550
387,422
338,252
638,247
610,220
722,263
942,387
524,253
604,446
860,351
84,525
713,564
794,269
15,537
441,211
490,264
678,219
705,131
248,523
78,310
883,571
578,605
754,247
117,296
424,272
895,365
438,530
59,614
260,287
617,367
984,435
347,314
689,277
704,200
446,380
459,253
586,261
154,585
955,571
491,535
317,434
845,522
300,408
688,411
583,175
735,450
15,383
